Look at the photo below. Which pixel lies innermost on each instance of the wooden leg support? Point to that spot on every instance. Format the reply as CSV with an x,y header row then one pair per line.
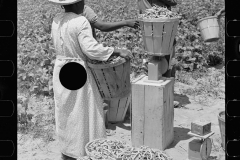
x,y
152,113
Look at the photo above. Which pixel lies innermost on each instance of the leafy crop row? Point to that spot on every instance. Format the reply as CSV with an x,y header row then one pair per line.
x,y
36,53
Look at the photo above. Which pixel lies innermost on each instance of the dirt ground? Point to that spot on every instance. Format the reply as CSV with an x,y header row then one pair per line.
x,y
29,149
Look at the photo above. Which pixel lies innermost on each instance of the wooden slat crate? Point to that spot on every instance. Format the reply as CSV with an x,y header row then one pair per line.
x,y
152,113
118,108
113,80
158,35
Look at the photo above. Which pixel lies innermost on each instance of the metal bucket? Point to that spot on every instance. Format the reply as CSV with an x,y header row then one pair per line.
x,y
221,121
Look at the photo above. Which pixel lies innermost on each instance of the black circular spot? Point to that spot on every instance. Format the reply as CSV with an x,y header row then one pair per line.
x,y
73,76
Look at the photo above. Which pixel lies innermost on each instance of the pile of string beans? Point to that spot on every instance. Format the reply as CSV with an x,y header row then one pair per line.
x,y
111,60
105,149
144,153
158,12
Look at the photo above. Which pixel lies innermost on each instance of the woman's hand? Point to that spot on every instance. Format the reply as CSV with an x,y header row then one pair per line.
x,y
124,53
133,23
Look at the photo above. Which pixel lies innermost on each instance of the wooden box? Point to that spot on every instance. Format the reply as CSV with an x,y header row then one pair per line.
x,y
152,113
201,127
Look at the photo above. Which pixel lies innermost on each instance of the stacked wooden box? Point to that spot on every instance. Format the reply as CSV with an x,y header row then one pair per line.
x,y
152,113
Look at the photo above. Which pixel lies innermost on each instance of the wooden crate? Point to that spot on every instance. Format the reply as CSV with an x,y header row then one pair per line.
x,y
200,127
152,113
118,108
158,35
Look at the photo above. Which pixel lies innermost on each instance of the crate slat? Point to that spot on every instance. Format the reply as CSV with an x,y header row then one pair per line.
x,y
137,132
121,108
152,113
147,27
167,37
101,78
149,43
157,29
143,34
111,80
158,37
153,116
174,32
97,82
169,113
119,72
112,112
128,103
126,76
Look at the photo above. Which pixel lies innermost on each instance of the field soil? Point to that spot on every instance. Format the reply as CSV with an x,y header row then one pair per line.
x,y
188,111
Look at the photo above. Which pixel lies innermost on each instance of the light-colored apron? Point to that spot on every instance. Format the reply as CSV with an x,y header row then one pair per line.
x,y
79,114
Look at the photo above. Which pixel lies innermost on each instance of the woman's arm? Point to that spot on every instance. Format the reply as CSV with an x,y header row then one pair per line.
x,y
107,26
94,50
111,26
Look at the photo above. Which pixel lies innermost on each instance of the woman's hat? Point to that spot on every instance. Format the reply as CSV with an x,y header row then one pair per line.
x,y
64,2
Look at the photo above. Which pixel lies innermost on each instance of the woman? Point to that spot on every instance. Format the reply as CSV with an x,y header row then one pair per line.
x,y
97,23
78,113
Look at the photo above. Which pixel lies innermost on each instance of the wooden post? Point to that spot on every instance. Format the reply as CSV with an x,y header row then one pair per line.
x,y
156,67
152,113
153,69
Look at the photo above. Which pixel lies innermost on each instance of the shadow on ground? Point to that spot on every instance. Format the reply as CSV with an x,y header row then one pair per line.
x,y
120,125
219,66
180,134
182,99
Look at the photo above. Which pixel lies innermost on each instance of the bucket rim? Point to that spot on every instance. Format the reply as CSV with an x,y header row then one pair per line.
x,y
116,140
219,117
104,66
158,20
210,17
